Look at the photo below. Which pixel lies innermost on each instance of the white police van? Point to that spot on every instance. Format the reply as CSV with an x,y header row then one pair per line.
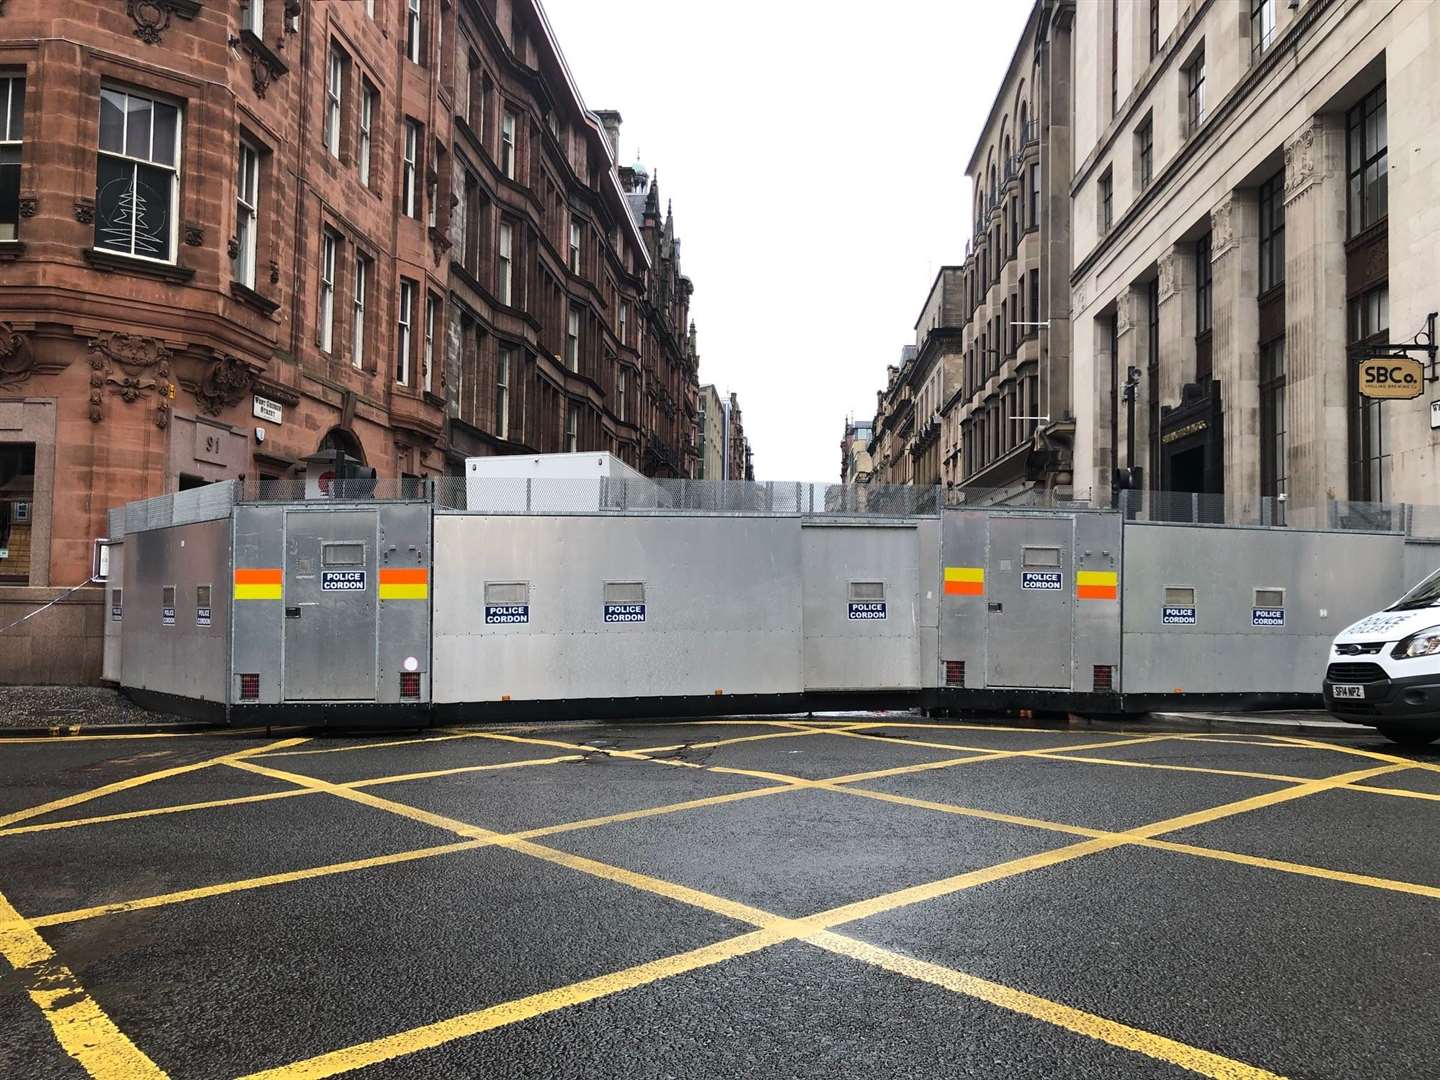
x,y
1385,669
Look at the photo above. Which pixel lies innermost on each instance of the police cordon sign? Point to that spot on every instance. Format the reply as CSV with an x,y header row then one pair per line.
x,y
1391,377
342,581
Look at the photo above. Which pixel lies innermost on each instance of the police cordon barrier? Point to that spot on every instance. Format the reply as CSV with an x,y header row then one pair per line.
x,y
401,605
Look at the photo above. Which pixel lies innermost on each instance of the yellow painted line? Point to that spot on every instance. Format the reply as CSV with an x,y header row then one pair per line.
x,y
79,1024
1279,777
1083,1023
265,881
1256,802
367,746
1302,869
34,740
136,781
206,892
511,1012
129,815
1355,751
240,800
1027,752
1404,793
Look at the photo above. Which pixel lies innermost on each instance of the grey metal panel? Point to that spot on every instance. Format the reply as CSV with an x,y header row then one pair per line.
x,y
258,646
927,537
1028,630
1330,580
404,622
1098,549
723,607
963,538
110,663
330,634
181,657
873,654
1422,558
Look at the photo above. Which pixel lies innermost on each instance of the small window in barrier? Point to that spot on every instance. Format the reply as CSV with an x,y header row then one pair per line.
x,y
167,596
1179,596
343,555
507,592
202,596
624,592
1269,598
117,597
1042,558
867,591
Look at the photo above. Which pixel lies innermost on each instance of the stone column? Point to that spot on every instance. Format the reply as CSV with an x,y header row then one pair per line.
x,y
1235,352
1177,322
1316,396
1100,394
1130,336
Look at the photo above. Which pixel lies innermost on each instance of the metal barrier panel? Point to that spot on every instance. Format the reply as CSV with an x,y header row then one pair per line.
x,y
111,668
176,618
928,597
556,608
1421,559
1030,600
964,538
332,603
861,606
1245,611
257,653
404,591
1098,568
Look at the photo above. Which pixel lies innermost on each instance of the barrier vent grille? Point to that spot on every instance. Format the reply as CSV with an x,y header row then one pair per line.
x,y
410,684
954,672
250,687
1104,677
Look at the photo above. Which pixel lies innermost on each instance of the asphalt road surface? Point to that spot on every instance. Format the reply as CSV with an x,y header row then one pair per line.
x,y
861,897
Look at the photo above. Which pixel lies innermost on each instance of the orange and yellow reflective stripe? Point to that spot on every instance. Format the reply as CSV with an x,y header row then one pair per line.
x,y
1097,585
254,584
964,581
404,583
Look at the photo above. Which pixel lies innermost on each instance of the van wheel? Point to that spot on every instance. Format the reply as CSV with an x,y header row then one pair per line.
x,y
1407,736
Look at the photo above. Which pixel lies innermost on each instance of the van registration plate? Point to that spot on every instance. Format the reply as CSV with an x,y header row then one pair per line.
x,y
1341,690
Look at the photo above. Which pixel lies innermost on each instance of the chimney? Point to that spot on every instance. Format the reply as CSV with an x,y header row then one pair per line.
x,y
610,121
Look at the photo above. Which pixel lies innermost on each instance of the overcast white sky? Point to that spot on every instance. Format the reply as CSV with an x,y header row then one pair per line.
x,y
815,153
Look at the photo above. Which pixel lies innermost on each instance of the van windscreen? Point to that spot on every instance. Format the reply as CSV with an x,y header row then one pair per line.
x,y
1426,594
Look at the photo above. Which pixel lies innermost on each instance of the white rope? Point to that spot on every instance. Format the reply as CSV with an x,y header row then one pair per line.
x,y
52,603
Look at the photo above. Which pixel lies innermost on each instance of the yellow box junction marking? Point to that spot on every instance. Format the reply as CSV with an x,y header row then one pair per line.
x,y
80,1026
11,922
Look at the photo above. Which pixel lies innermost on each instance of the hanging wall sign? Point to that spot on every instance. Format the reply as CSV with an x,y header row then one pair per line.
x,y
1391,377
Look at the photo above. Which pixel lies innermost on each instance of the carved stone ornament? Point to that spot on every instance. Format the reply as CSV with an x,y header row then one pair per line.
x,y
274,272
261,74
17,361
133,366
224,383
29,203
85,210
1125,313
232,248
194,233
1167,275
1222,228
152,17
1300,160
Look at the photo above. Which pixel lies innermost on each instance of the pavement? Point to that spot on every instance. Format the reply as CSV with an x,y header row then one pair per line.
x,y
831,898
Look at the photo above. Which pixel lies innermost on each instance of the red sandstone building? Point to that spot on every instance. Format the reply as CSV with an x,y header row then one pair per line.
x,y
389,227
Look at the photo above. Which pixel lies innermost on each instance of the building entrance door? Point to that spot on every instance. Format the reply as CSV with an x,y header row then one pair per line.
x,y
330,605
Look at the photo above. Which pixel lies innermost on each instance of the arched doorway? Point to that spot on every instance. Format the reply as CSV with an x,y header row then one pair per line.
x,y
344,440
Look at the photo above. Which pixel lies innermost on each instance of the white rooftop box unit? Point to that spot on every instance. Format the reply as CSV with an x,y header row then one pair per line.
x,y
557,484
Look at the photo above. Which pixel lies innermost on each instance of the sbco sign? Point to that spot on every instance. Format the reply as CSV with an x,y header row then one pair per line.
x,y
1391,377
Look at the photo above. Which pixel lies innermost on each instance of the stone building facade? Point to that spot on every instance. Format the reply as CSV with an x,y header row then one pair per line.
x,y
1016,277
855,465
1242,231
992,346
381,226
712,434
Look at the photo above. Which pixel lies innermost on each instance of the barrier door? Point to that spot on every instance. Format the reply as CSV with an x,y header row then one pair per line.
x,y
1030,601
330,605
